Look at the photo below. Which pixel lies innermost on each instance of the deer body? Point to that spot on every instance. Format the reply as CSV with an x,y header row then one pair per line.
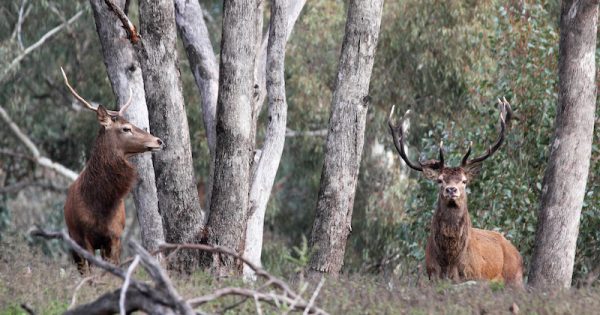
x,y
455,250
95,207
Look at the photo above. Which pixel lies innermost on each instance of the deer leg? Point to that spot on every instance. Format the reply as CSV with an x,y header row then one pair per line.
x,y
112,250
82,264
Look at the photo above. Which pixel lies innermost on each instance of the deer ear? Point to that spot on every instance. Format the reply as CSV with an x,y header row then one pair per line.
x,y
472,170
431,173
103,117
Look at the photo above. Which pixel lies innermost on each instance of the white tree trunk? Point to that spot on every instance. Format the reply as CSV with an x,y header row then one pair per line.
x,y
266,168
196,40
568,165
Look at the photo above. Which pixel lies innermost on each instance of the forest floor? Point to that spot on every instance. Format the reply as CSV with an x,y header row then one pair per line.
x,y
47,285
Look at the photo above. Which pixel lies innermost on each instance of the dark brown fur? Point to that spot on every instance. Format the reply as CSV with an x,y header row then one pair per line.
x,y
95,209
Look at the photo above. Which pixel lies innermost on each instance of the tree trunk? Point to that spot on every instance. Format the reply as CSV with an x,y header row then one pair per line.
x,y
568,165
202,60
229,202
194,33
266,168
177,194
345,139
294,7
124,73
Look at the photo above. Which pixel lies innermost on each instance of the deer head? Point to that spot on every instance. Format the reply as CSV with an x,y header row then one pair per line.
x,y
124,137
452,180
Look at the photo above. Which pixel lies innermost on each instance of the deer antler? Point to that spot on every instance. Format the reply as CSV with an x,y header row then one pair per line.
x,y
398,135
89,106
505,115
126,106
79,98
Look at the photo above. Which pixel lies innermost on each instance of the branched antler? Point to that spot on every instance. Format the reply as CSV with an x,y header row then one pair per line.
x,y
505,115
398,136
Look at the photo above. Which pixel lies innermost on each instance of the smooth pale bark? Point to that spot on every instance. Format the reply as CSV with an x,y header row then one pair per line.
x,y
200,53
266,167
293,12
124,73
177,195
568,165
229,201
345,139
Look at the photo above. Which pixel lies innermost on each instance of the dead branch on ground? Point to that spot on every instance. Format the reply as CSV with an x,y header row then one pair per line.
x,y
163,298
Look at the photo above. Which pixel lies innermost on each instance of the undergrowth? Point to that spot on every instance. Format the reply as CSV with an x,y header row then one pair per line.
x,y
47,284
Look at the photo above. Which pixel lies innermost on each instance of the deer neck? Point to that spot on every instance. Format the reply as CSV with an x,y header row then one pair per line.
x,y
107,177
451,228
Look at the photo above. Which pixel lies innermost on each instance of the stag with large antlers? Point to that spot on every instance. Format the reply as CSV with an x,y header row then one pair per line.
x,y
95,209
455,250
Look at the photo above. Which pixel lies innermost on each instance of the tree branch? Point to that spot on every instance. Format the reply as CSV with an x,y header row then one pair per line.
x,y
38,158
130,270
37,44
132,32
164,299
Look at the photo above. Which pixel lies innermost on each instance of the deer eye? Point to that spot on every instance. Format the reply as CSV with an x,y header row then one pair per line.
x,y
126,129
464,182
439,181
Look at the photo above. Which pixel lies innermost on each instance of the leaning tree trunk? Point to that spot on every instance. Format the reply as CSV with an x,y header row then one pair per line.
x,y
229,201
268,163
568,165
345,139
124,73
196,40
177,194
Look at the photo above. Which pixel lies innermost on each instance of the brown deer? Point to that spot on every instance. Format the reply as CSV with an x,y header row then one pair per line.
x,y
455,250
95,209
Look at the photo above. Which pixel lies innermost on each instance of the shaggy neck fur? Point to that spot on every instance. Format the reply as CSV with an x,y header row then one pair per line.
x,y
451,227
107,177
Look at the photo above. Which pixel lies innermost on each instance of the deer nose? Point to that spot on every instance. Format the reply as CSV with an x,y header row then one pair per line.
x,y
451,190
160,142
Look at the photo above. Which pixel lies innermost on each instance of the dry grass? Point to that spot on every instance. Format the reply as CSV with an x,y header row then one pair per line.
x,y
47,284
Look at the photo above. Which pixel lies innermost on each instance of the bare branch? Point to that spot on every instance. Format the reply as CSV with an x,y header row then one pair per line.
x,y
132,32
289,133
20,21
27,309
77,288
63,235
314,296
289,297
130,270
41,160
37,44
162,279
164,299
